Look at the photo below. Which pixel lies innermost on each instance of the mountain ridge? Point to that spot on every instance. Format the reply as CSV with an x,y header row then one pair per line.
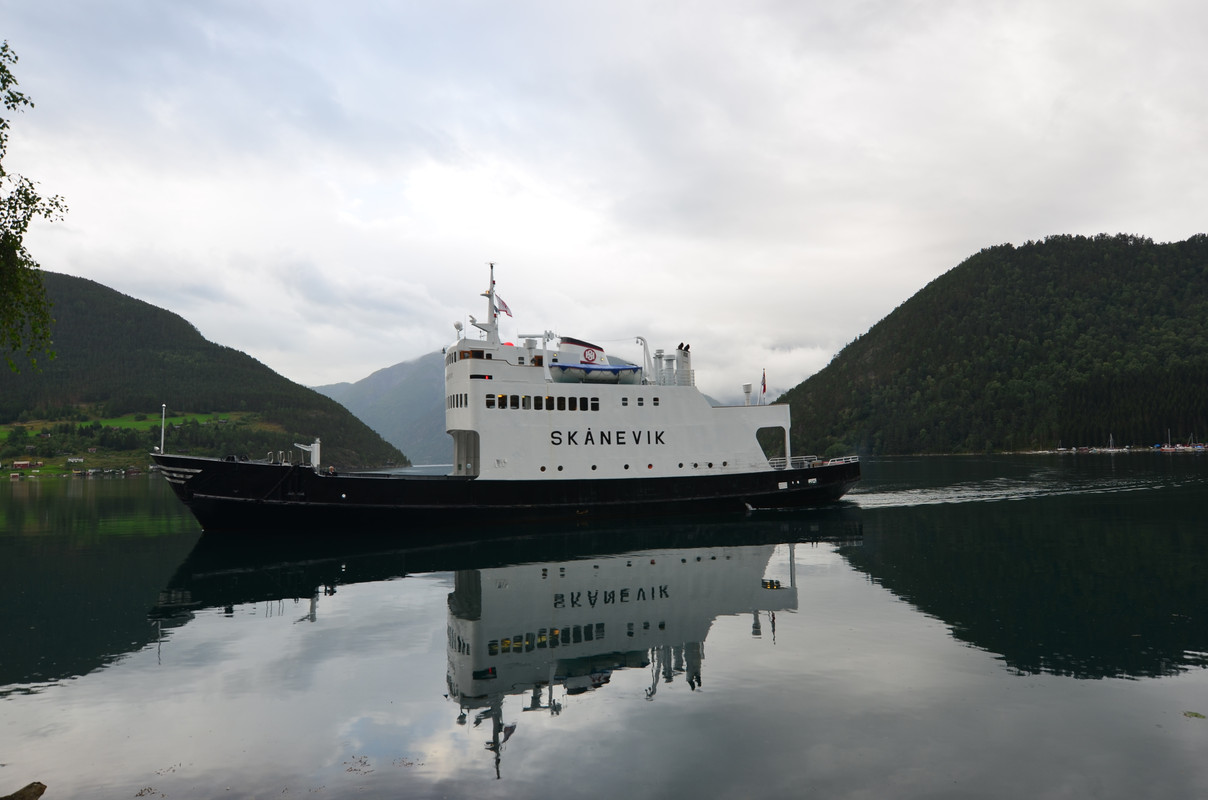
x,y
116,354
1067,341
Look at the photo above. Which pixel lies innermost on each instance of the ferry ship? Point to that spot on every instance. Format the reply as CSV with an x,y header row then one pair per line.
x,y
550,428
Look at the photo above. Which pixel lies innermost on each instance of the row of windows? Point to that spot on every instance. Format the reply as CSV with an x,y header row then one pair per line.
x,y
552,637
539,403
453,356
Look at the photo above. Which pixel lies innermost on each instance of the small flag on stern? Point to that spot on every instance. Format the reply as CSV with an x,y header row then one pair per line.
x,y
763,390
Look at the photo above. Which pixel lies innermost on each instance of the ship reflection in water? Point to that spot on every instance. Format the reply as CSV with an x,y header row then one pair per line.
x,y
540,630
528,629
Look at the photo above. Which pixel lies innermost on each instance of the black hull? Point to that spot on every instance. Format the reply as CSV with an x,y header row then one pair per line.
x,y
255,496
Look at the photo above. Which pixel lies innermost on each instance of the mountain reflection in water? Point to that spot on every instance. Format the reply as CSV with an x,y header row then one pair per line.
x,y
1092,586
522,625
957,628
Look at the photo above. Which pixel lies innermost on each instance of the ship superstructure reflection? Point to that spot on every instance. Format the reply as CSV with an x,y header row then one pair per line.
x,y
532,629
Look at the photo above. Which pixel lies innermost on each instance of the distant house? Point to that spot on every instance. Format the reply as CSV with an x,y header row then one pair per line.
x,y
75,460
21,465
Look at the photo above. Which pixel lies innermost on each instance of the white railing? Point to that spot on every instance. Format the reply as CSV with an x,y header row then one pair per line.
x,y
804,462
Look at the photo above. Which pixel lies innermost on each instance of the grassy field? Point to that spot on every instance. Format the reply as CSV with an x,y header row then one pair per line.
x,y
148,422
111,459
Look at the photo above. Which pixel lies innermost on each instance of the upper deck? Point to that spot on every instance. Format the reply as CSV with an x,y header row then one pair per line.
x,y
558,408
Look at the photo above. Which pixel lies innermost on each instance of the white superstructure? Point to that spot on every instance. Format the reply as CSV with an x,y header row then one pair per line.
x,y
557,408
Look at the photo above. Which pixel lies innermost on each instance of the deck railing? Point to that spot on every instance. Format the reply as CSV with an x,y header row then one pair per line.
x,y
802,462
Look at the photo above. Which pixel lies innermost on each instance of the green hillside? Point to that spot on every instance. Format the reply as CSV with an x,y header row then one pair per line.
x,y
116,355
1063,342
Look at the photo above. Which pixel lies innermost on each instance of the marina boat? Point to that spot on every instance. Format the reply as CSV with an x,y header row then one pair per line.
x,y
550,428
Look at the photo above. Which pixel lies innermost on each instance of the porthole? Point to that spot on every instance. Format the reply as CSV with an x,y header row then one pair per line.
x,y
559,467
593,467
626,466
650,466
543,469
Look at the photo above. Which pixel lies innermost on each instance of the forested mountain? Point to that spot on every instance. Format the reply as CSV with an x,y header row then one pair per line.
x,y
1062,342
405,403
115,354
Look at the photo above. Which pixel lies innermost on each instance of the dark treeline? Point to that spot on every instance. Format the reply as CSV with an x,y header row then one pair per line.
x,y
116,355
1064,342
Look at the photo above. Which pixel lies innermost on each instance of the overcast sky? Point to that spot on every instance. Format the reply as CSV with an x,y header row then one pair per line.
x,y
321,184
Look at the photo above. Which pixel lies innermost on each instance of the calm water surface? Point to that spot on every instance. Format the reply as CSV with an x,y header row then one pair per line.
x,y
1025,626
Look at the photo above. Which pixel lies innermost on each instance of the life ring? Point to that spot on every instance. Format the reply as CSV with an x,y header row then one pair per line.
x,y
589,356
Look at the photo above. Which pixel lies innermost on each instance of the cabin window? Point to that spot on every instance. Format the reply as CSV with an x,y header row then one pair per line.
x,y
561,403
520,361
583,404
490,401
515,401
526,402
640,401
503,401
572,403
476,354
595,404
624,401
655,401
538,403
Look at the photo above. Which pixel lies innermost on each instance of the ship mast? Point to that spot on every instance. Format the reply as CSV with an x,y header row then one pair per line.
x,y
491,326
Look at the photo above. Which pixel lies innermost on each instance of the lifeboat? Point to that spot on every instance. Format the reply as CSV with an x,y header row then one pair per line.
x,y
583,362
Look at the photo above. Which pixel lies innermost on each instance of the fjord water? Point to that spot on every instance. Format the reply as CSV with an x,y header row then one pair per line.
x,y
960,627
